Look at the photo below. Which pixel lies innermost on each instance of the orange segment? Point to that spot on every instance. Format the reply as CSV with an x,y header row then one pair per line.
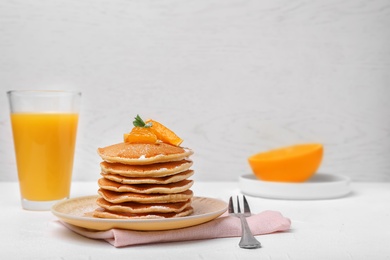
x,y
163,133
295,163
140,135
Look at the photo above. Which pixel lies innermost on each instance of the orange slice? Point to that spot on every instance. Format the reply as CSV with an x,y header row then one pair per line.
x,y
140,135
163,133
295,163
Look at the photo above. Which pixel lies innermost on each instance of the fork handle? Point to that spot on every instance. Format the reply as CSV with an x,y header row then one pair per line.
x,y
247,238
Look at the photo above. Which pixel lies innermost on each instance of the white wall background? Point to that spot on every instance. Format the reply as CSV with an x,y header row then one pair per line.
x,y
231,77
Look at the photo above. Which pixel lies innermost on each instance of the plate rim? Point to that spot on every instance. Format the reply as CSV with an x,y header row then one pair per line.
x,y
342,185
196,219
341,178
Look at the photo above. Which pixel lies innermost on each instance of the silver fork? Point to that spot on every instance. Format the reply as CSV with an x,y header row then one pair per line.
x,y
247,239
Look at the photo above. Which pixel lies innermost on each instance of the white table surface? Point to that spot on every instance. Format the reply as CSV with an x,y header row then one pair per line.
x,y
352,227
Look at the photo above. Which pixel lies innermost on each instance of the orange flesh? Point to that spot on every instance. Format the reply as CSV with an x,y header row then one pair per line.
x,y
140,135
164,134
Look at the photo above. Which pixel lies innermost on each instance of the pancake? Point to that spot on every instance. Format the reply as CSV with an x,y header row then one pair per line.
x,y
144,181
120,197
103,213
134,207
169,188
149,180
150,170
140,154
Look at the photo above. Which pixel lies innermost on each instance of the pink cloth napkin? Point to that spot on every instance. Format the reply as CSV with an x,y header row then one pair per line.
x,y
224,226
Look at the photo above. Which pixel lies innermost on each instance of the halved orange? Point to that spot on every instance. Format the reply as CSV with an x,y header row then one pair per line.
x,y
163,133
140,135
295,163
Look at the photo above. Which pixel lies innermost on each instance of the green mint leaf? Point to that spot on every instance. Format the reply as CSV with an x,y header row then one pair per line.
x,y
140,123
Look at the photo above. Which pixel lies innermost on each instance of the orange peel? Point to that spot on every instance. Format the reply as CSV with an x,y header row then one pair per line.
x,y
295,163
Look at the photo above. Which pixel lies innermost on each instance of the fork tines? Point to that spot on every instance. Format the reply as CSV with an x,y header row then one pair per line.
x,y
231,206
246,205
245,202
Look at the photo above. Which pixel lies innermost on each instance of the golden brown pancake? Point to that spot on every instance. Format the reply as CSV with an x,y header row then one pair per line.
x,y
149,180
144,181
140,154
120,197
169,188
149,170
103,213
134,207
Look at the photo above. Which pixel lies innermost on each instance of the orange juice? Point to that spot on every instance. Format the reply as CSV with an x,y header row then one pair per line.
x,y
44,147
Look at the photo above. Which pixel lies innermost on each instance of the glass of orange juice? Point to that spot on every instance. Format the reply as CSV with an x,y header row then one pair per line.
x,y
44,126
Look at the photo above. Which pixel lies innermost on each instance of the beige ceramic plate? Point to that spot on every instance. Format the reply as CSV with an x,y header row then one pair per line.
x,y
77,211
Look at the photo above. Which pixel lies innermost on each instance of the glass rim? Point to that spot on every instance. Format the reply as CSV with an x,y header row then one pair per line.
x,y
54,92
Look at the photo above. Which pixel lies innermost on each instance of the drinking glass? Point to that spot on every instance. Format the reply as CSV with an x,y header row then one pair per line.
x,y
44,127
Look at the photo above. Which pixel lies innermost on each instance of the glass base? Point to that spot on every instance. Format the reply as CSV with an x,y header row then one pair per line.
x,y
39,205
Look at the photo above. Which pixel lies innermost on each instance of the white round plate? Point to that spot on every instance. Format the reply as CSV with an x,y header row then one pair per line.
x,y
320,186
77,212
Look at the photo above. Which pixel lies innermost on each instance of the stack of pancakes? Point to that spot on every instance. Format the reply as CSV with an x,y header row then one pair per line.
x,y
144,181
